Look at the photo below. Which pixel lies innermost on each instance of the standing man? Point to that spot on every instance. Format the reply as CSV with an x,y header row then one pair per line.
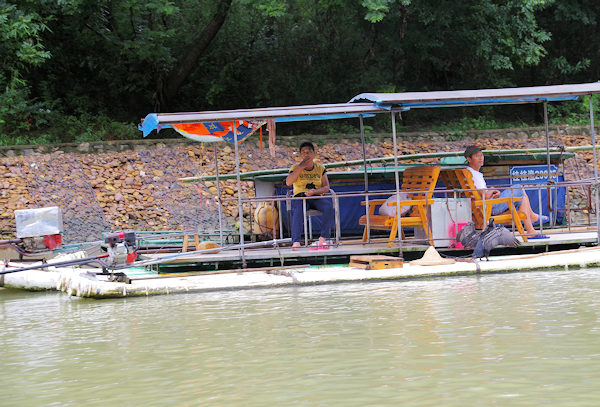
x,y
474,157
309,179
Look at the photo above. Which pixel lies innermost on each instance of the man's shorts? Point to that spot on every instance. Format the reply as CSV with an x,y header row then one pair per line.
x,y
502,207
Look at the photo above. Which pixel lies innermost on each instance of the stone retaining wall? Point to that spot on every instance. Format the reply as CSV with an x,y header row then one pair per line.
x,y
136,185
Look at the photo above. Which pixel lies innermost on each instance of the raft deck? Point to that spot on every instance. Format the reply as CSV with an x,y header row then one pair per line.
x,y
280,256
86,282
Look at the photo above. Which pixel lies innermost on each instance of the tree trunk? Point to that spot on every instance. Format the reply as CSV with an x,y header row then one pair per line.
x,y
167,91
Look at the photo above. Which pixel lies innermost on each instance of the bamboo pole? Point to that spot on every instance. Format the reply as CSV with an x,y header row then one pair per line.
x,y
232,271
176,256
397,179
364,151
239,193
219,205
596,186
549,174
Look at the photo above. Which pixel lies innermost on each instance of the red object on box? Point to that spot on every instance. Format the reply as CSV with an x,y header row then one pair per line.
x,y
453,230
52,241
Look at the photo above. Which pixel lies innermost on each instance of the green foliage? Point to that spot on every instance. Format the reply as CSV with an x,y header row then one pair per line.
x,y
14,108
20,34
574,113
370,140
88,127
562,65
458,127
64,128
271,8
341,127
478,123
377,9
458,135
21,48
78,69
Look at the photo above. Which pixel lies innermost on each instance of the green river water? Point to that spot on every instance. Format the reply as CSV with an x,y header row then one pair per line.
x,y
517,339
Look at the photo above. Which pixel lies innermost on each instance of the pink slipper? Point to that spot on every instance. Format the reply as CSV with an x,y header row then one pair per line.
x,y
314,246
318,246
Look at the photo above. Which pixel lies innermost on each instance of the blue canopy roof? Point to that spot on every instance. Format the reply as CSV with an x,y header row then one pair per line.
x,y
367,104
534,94
156,121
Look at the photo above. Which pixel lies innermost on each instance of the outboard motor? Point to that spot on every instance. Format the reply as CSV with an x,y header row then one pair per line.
x,y
121,244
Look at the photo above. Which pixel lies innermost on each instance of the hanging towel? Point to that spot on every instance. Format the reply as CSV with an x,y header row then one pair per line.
x,y
271,130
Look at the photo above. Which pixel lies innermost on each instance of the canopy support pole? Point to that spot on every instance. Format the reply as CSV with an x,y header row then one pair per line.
x,y
547,137
596,192
549,175
397,178
219,203
239,185
364,151
362,140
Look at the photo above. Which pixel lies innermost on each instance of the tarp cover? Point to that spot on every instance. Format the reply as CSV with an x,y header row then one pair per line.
x,y
217,131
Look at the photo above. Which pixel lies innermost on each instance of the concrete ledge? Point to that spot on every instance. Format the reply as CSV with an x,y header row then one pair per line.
x,y
97,147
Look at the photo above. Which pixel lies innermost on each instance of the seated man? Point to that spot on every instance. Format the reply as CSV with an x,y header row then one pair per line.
x,y
309,179
474,157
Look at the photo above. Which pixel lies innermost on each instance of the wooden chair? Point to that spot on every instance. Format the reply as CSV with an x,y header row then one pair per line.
x,y
462,179
418,183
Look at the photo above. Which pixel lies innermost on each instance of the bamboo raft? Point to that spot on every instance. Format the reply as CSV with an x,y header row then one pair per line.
x,y
88,283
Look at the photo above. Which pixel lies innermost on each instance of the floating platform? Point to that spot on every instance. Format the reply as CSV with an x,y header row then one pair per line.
x,y
87,283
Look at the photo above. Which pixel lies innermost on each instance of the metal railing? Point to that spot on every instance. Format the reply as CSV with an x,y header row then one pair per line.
x,y
577,210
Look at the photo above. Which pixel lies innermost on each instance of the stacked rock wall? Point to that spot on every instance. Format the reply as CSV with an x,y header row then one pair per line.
x,y
140,189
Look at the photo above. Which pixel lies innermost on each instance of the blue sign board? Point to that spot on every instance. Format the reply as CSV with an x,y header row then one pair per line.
x,y
532,174
538,174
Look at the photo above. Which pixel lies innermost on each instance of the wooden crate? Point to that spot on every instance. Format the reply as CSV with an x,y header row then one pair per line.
x,y
375,262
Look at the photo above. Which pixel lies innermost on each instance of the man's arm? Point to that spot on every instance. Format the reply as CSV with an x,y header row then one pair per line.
x,y
492,193
293,176
324,187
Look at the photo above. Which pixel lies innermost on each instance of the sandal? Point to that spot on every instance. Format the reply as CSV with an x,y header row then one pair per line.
x,y
539,236
318,246
314,246
544,218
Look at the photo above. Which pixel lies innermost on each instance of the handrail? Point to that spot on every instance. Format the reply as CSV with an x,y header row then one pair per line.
x,y
586,181
589,183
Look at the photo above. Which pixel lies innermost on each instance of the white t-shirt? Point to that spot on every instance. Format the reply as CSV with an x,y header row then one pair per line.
x,y
478,179
387,210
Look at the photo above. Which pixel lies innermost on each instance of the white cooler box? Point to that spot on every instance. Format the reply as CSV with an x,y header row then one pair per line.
x,y
38,222
443,215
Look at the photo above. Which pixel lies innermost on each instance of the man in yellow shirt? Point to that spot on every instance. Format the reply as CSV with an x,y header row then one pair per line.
x,y
309,179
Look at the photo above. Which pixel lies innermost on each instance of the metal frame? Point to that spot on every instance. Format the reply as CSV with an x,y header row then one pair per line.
x,y
371,103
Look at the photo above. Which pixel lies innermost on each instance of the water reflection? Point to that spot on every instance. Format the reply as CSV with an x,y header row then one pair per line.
x,y
512,339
